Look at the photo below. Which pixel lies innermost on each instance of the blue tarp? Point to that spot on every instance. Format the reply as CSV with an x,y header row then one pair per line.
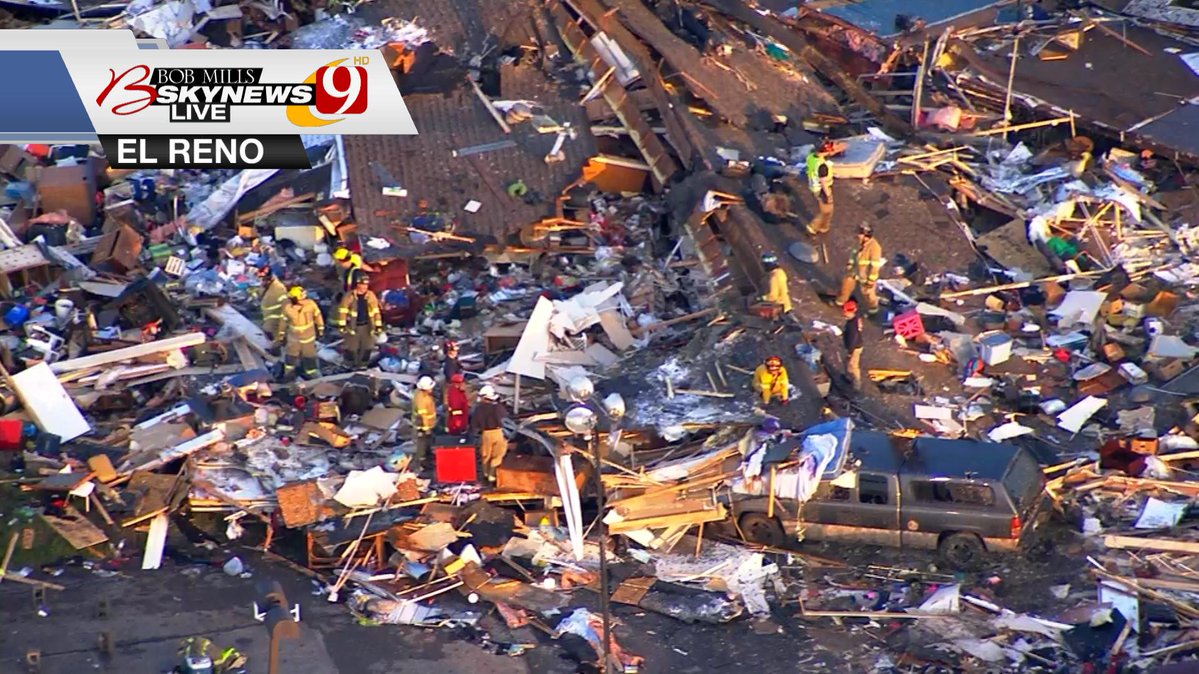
x,y
878,16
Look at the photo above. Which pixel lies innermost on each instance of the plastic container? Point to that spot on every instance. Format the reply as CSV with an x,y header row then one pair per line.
x,y
994,347
908,324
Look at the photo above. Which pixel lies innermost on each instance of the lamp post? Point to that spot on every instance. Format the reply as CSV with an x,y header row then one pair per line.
x,y
581,420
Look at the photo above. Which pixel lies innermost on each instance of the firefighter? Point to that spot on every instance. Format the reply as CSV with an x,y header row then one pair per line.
x,y
360,319
424,418
862,270
349,262
488,420
779,291
820,182
457,405
771,381
299,328
274,296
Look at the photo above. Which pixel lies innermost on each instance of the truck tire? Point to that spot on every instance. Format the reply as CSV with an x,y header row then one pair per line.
x,y
758,528
962,551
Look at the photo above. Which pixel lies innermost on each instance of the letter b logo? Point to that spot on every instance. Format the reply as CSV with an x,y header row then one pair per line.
x,y
341,90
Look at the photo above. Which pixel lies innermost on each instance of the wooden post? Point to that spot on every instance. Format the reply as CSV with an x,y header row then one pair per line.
x,y
516,398
774,471
1073,128
1011,79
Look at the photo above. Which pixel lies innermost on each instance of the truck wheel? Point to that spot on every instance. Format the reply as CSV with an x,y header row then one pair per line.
x,y
758,528
962,551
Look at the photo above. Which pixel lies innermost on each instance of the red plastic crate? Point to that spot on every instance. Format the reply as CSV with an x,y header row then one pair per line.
x,y
456,464
10,434
908,324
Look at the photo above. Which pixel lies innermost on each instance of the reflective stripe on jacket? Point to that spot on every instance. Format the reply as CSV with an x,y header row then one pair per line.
x,y
273,299
424,411
301,321
347,311
866,262
815,181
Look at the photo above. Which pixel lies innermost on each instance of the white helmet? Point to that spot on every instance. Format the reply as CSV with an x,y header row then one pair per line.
x,y
488,391
425,383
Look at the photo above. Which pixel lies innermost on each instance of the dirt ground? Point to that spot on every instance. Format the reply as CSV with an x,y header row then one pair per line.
x,y
149,612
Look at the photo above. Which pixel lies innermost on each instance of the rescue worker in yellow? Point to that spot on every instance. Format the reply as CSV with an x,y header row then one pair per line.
x,y
862,271
349,262
771,381
424,419
360,319
299,329
778,290
274,296
820,182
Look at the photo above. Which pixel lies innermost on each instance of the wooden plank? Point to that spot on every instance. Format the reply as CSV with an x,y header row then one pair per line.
x,y
12,545
75,528
156,542
129,353
1158,544
615,328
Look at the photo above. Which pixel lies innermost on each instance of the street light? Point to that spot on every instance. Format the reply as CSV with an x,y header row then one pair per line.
x,y
581,420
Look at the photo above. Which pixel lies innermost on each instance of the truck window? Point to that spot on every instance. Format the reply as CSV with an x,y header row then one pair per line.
x,y
944,491
828,492
1024,480
873,489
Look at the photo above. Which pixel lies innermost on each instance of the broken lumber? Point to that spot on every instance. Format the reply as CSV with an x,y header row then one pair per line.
x,y
773,28
495,114
1159,544
129,353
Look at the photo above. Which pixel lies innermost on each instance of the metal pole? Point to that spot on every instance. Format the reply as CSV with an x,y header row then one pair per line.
x,y
605,608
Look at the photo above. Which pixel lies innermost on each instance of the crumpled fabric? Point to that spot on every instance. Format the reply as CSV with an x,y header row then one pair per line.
x,y
586,624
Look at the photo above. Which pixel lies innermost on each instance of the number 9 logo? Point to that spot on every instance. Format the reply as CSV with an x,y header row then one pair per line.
x,y
341,90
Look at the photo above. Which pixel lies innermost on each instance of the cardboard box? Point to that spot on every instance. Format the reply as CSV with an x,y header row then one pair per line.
x,y
534,475
1165,370
119,249
69,188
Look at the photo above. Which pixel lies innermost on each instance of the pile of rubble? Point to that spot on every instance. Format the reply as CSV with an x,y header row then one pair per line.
x,y
556,309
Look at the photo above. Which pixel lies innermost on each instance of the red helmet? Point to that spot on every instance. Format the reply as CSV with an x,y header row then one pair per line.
x,y
850,306
774,361
457,378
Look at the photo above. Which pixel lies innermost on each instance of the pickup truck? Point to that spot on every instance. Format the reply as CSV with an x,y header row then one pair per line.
x,y
963,498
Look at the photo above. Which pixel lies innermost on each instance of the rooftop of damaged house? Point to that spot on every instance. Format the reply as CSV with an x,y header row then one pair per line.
x,y
687,335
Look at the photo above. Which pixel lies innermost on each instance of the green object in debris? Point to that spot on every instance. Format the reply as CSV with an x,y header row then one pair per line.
x,y
518,189
778,52
160,251
1066,250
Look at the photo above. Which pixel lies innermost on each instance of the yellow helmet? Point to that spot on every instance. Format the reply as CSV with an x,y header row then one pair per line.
x,y
341,254
297,293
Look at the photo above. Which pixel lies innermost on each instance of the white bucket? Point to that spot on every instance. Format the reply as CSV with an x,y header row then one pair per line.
x,y
63,310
